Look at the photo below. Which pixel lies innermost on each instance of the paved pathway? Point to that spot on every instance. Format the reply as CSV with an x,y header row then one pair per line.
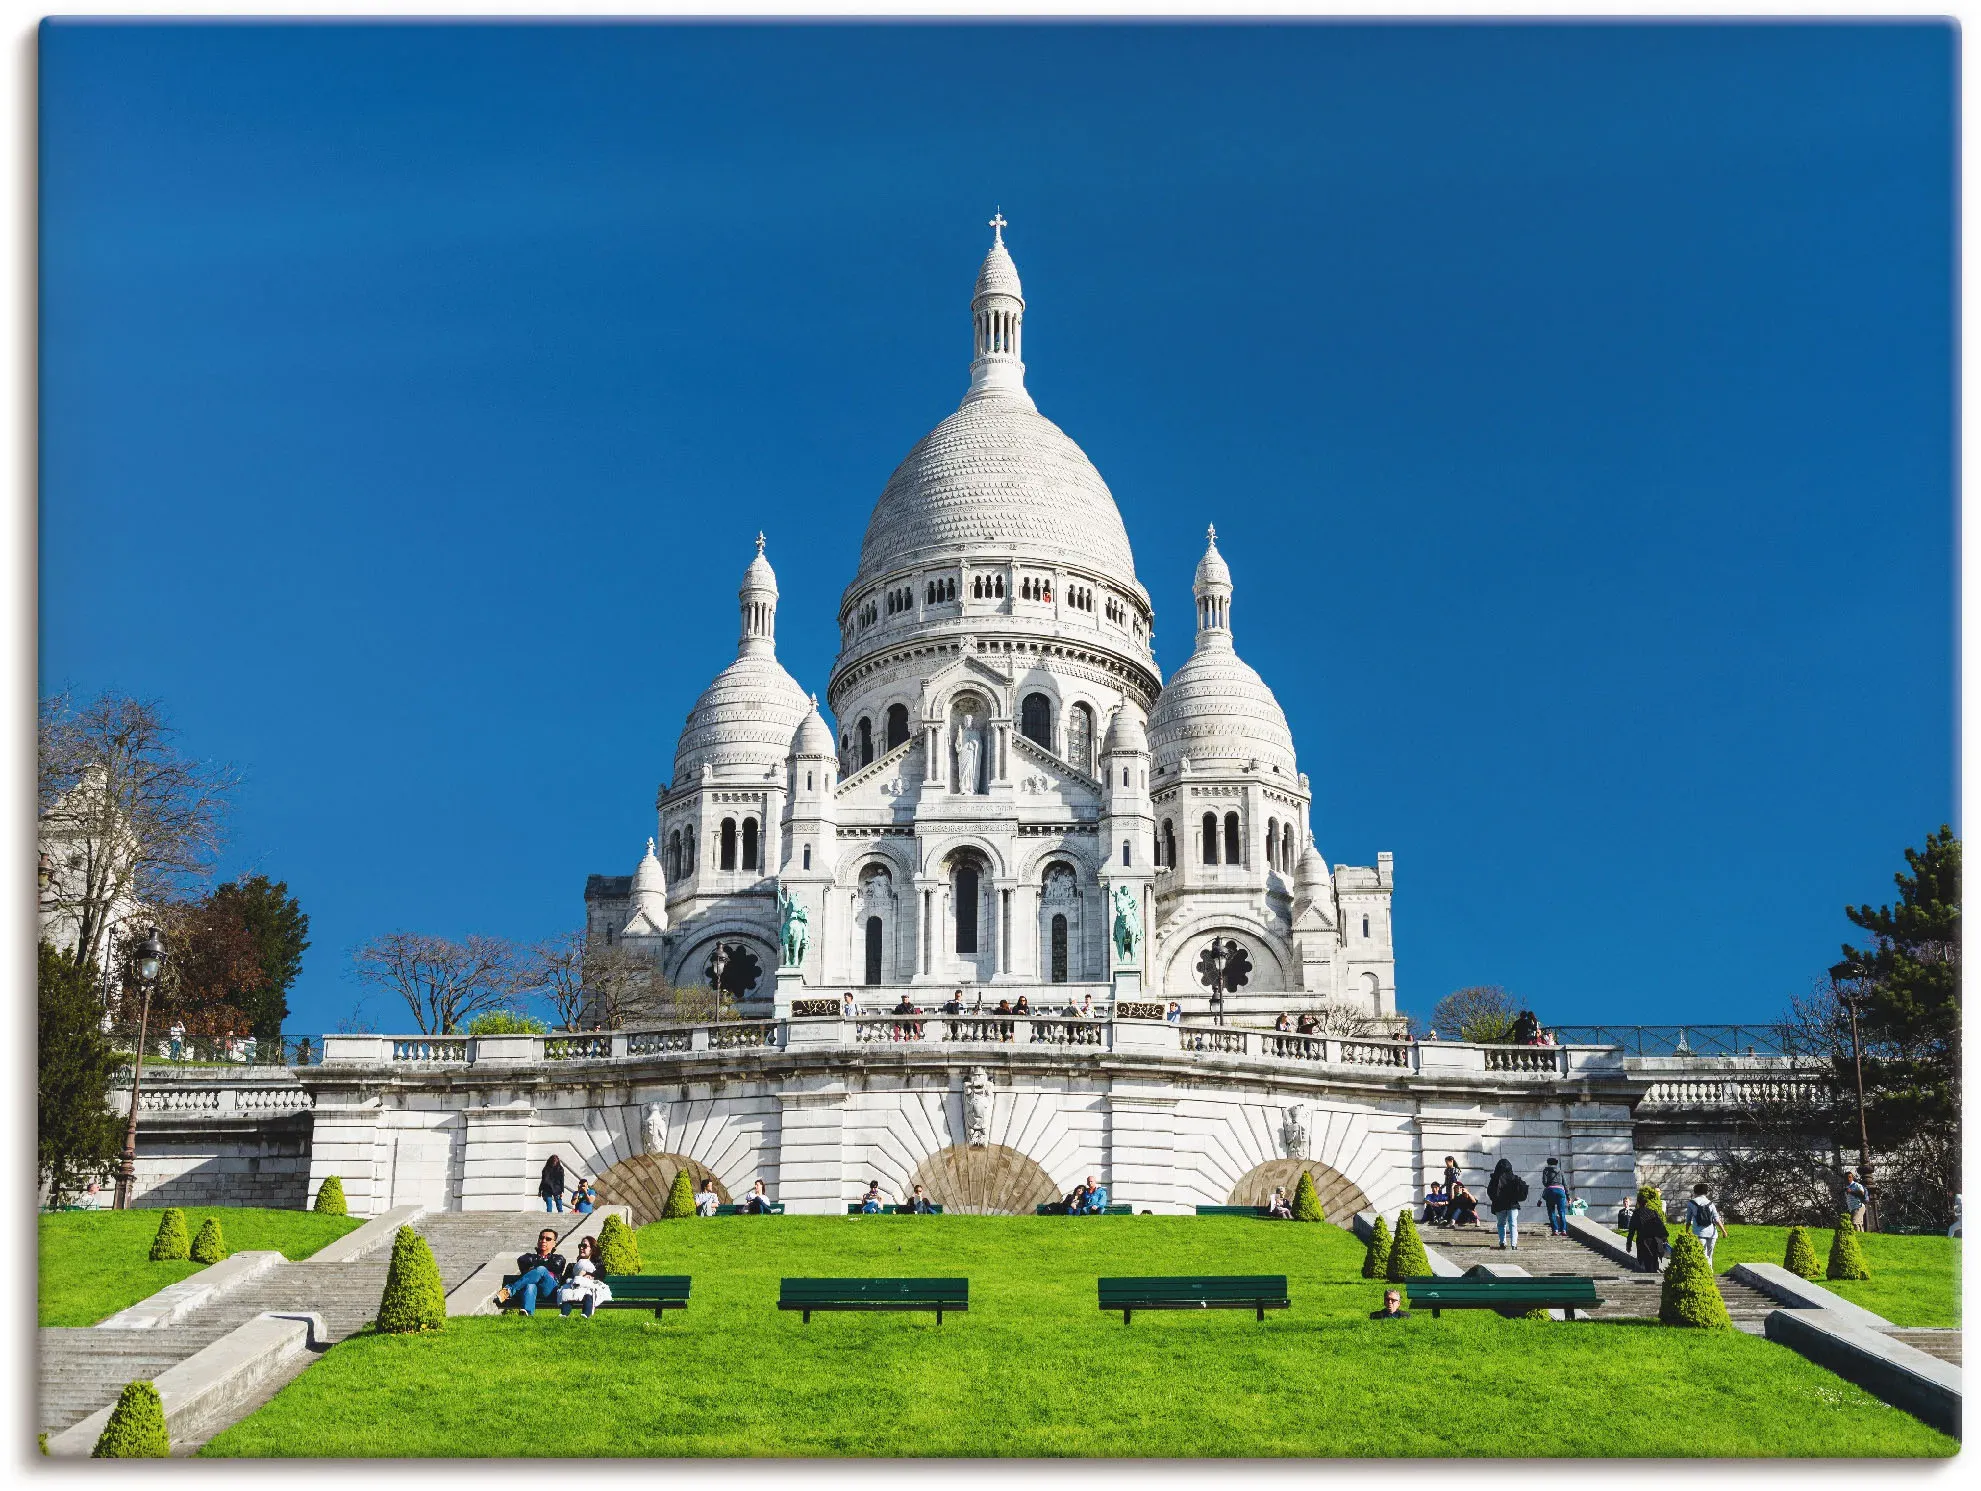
x,y
84,1368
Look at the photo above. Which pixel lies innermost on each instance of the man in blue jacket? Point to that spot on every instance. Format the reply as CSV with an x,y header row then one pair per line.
x,y
1096,1199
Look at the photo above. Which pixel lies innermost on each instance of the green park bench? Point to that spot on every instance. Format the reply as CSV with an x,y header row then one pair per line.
x,y
1516,1296
1259,1292
1234,1211
1057,1209
656,1292
741,1209
903,1209
939,1295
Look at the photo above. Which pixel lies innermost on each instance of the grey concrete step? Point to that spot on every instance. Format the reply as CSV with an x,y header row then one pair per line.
x,y
81,1369
1945,1344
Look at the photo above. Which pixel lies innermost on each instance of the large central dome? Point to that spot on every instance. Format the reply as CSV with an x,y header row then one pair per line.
x,y
997,475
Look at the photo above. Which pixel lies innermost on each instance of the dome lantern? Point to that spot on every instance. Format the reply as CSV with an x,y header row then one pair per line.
x,y
997,312
759,601
1213,589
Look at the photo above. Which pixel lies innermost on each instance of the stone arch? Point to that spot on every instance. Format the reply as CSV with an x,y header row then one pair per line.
x,y
1340,1197
691,966
1270,972
985,1180
642,1182
939,853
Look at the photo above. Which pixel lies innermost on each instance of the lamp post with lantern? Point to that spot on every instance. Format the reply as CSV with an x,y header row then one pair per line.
x,y
151,957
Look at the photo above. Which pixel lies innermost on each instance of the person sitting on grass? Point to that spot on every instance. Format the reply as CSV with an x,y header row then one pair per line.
x,y
1392,1307
1437,1207
871,1202
582,1285
1277,1208
541,1272
1464,1206
1094,1203
919,1203
706,1200
758,1201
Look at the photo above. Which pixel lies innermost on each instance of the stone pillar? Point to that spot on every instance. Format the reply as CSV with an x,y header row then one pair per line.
x,y
810,1165
495,1159
344,1143
1601,1159
1000,749
1141,1149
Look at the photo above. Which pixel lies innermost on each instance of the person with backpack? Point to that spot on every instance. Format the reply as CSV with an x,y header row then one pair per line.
x,y
1504,1192
1704,1219
1554,1196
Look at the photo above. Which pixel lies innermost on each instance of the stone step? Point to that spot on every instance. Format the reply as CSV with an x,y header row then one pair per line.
x,y
1945,1344
82,1368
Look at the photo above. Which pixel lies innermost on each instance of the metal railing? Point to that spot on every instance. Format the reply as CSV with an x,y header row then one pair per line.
x,y
1691,1040
161,1049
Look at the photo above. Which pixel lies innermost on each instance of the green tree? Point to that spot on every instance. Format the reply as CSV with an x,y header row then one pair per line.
x,y
1905,986
1482,1012
280,931
1846,1254
506,1022
136,1430
1800,1257
210,1246
79,1138
171,1241
413,1299
1407,1258
618,1248
680,1197
330,1198
1307,1201
1691,1296
1375,1262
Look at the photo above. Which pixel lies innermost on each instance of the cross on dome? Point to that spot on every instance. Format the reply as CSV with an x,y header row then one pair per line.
x,y
998,224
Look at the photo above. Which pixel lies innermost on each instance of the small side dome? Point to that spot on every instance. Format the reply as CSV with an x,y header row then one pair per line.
x,y
1310,877
649,875
813,738
1125,734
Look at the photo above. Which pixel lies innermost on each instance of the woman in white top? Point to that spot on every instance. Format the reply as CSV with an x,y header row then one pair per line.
x,y
581,1284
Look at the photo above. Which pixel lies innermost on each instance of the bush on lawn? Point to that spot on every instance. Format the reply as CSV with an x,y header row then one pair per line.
x,y
330,1198
1846,1255
1691,1296
1375,1262
413,1299
171,1241
136,1430
209,1246
1651,1196
1407,1259
680,1198
618,1248
1800,1259
1307,1200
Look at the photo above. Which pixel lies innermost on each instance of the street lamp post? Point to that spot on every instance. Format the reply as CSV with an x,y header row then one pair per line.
x,y
1863,1128
151,955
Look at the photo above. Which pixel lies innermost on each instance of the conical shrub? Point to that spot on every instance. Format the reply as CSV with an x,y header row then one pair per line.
x,y
618,1248
171,1241
209,1246
1375,1262
136,1430
1307,1200
1800,1259
1691,1295
330,1198
1407,1258
1650,1196
413,1299
680,1197
1846,1254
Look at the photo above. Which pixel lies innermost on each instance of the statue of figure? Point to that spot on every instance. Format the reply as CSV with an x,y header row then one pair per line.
x,y
718,964
1293,1130
969,748
1127,924
794,929
977,1108
655,1126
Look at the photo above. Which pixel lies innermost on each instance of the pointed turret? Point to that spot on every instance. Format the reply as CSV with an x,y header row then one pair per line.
x,y
758,596
649,899
997,312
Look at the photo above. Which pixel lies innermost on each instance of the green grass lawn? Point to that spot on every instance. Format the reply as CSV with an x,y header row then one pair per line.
x,y
94,1263
1915,1280
1035,1369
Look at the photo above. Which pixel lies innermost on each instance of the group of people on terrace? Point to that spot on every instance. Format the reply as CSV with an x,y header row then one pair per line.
x,y
1451,1203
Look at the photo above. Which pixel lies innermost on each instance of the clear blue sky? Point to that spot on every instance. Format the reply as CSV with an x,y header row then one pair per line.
x,y
1574,406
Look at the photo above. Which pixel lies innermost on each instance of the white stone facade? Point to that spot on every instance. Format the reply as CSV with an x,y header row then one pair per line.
x,y
1007,759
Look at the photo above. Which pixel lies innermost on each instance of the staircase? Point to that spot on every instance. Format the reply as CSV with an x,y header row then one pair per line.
x,y
1626,1293
1945,1344
82,1369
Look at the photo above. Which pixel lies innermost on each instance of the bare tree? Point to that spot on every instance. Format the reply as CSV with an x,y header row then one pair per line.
x,y
1334,1017
1481,1012
126,821
554,971
444,983
622,987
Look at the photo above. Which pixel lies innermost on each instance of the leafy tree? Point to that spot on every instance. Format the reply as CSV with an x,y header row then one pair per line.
x,y
698,1004
1307,1201
618,1247
1482,1012
170,1243
210,1246
136,1430
330,1198
1800,1257
680,1198
1407,1258
1375,1262
1690,1295
505,1022
280,931
210,973
1846,1253
444,983
79,1139
413,1299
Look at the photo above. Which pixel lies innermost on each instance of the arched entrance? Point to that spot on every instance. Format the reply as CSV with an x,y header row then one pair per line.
x,y
1340,1197
987,1180
642,1183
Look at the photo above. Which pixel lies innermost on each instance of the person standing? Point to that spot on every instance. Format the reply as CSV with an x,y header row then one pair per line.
x,y
551,1187
1450,1174
1504,1193
1649,1235
1554,1196
1704,1219
178,1037
1855,1198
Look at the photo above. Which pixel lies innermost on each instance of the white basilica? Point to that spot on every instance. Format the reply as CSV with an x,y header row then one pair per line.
x,y
1014,798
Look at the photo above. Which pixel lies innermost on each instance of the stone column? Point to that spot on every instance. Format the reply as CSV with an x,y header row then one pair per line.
x,y
810,1164
1601,1158
344,1143
1000,748
1141,1148
495,1160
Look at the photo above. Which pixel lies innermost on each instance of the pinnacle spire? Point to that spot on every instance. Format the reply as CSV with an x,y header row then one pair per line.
x,y
997,312
1213,590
